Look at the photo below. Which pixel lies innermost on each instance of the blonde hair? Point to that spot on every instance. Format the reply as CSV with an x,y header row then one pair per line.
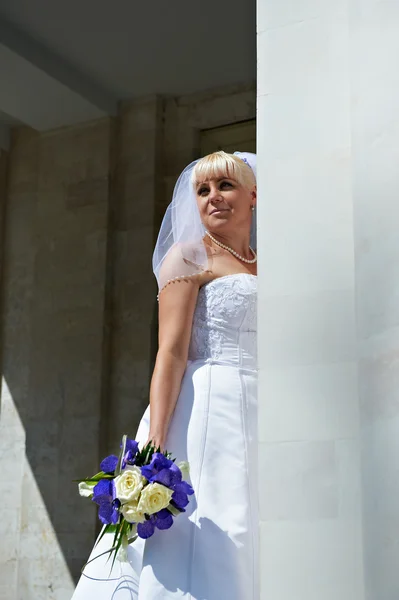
x,y
221,164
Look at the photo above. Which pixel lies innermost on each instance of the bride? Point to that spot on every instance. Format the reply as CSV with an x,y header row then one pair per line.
x,y
203,406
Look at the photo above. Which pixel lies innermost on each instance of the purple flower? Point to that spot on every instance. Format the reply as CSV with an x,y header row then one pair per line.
x,y
169,476
146,529
108,504
158,464
162,520
164,471
180,500
131,450
180,495
108,465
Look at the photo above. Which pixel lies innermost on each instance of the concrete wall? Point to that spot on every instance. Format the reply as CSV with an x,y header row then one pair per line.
x,y
78,317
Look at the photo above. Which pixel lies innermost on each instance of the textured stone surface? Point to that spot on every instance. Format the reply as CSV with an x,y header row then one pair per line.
x,y
17,280
53,335
137,177
69,333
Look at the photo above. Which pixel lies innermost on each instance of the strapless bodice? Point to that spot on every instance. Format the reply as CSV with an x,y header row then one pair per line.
x,y
224,324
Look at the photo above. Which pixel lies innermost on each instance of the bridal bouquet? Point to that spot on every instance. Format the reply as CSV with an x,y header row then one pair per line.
x,y
137,492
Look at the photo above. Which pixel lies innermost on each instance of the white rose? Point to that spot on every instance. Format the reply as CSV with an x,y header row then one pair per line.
x,y
184,468
129,484
86,489
154,497
131,512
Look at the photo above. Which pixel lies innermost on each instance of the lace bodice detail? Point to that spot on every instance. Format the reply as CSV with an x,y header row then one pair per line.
x,y
224,324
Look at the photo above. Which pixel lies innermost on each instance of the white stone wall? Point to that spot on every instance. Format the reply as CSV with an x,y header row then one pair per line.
x,y
329,299
309,443
374,51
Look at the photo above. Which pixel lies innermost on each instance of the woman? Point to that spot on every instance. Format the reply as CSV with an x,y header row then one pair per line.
x,y
203,396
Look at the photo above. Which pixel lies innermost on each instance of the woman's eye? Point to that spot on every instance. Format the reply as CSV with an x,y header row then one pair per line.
x,y
225,184
202,191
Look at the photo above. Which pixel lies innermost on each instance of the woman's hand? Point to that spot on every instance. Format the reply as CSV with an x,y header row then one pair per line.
x,y
156,441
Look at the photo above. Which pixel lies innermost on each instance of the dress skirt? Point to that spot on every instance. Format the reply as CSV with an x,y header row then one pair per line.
x,y
211,551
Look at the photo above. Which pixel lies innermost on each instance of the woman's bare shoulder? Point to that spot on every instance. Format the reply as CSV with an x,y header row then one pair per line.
x,y
185,261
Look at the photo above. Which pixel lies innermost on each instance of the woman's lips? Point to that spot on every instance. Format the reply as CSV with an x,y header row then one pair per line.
x,y
216,210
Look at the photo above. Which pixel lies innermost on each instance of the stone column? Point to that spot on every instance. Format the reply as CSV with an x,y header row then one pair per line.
x,y
308,394
134,292
375,128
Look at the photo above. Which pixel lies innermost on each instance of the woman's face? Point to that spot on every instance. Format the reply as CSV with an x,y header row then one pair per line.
x,y
225,204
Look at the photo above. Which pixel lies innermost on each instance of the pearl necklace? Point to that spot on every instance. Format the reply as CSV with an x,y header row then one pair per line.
x,y
250,261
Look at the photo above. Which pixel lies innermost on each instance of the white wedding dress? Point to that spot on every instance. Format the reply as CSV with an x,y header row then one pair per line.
x,y
211,551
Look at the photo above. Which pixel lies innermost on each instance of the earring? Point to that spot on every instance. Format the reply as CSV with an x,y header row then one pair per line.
x,y
252,208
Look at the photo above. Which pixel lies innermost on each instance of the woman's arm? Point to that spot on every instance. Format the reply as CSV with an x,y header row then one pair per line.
x,y
176,309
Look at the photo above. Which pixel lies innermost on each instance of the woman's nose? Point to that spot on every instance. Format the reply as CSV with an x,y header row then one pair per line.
x,y
214,195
